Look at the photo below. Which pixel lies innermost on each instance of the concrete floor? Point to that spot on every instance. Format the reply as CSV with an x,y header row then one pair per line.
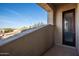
x,y
61,51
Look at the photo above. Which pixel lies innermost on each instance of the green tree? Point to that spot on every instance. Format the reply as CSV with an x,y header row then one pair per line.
x,y
7,30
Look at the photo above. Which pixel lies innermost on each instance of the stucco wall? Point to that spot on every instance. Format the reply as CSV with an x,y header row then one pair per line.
x,y
34,43
58,31
50,17
77,28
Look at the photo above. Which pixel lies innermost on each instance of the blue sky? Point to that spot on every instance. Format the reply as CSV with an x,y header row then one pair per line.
x,y
21,14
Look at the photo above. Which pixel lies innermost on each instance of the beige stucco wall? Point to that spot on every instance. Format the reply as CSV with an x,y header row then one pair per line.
x,y
77,27
34,43
58,31
50,17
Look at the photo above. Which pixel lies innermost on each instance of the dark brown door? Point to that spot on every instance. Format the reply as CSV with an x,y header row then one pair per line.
x,y
69,27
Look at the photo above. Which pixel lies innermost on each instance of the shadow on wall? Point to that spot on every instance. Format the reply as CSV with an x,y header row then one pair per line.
x,y
33,44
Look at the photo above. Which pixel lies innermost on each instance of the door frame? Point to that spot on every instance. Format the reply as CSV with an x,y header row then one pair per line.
x,y
74,39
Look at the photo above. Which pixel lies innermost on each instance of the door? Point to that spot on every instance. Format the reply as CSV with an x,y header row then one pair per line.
x,y
69,27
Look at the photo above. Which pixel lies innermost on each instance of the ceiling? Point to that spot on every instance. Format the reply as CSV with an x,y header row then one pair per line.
x,y
56,4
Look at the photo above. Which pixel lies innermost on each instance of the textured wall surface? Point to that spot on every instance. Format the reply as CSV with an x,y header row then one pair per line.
x,y
34,43
77,28
58,31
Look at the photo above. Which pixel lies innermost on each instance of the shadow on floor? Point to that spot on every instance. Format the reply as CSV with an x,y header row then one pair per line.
x,y
61,51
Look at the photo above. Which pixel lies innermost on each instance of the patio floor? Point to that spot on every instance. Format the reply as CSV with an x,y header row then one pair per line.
x,y
61,51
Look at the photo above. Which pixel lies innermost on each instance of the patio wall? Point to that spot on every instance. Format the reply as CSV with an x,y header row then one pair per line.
x,y
77,28
35,43
58,30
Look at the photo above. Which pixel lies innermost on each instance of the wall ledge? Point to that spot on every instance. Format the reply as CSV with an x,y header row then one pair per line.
x,y
19,35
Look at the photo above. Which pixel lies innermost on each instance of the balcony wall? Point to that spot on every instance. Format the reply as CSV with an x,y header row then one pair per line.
x,y
77,27
35,43
58,31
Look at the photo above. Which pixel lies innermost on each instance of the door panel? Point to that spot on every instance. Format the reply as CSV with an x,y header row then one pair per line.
x,y
69,27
